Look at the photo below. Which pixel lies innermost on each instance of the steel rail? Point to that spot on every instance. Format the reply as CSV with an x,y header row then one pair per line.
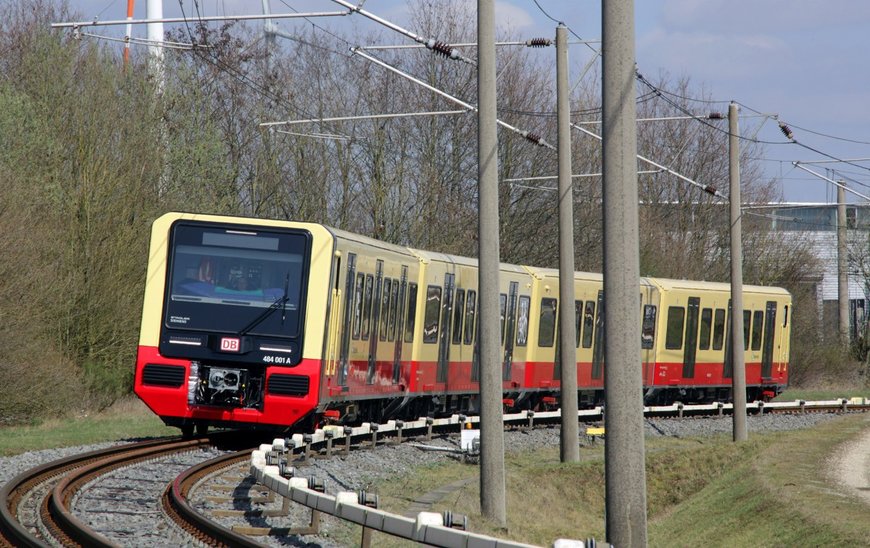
x,y
58,505
74,471
13,533
178,508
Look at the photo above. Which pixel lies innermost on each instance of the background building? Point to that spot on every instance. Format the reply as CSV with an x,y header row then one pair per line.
x,y
816,224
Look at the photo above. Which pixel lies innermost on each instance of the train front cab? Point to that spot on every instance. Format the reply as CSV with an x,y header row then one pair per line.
x,y
213,350
692,348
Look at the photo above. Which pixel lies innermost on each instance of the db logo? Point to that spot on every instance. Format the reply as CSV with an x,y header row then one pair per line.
x,y
229,344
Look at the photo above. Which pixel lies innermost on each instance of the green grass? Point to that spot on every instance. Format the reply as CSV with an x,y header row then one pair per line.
x,y
778,497
127,419
810,394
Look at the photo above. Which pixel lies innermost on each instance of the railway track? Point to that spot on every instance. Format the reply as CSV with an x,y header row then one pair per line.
x,y
36,507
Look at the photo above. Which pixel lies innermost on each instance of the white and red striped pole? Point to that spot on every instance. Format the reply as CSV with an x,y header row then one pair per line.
x,y
130,4
154,10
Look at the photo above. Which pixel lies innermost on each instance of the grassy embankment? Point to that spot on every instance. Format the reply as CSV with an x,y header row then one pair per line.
x,y
770,491
127,419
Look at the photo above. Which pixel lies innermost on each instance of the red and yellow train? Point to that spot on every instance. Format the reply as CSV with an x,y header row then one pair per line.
x,y
279,324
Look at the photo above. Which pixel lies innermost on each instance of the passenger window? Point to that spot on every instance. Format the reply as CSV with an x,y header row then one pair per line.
x,y
503,304
469,317
367,307
547,325
719,329
410,321
432,313
706,326
674,335
385,307
757,325
648,329
578,322
457,316
747,323
394,306
588,324
357,305
523,321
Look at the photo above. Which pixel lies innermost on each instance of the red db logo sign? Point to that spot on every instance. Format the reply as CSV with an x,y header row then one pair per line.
x,y
230,344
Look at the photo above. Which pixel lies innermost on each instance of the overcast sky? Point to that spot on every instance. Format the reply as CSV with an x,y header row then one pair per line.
x,y
807,61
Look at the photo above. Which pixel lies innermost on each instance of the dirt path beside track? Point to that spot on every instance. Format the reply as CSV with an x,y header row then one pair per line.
x,y
851,466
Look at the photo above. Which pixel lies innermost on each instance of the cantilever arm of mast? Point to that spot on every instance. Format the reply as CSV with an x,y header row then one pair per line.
x,y
97,23
362,117
529,136
838,184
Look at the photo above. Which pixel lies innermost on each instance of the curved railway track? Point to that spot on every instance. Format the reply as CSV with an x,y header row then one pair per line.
x,y
178,509
36,506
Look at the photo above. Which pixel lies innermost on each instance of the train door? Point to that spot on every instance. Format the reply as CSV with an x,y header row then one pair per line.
x,y
728,366
598,345
557,357
783,347
511,321
767,349
375,322
398,328
472,319
348,316
690,351
649,317
444,339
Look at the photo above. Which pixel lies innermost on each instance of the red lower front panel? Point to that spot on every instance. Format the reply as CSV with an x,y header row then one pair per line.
x,y
165,392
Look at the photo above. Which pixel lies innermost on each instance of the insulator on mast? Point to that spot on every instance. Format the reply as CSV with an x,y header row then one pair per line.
x,y
715,116
533,137
539,43
786,131
443,48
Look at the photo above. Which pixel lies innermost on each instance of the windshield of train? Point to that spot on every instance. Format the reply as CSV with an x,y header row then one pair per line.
x,y
235,280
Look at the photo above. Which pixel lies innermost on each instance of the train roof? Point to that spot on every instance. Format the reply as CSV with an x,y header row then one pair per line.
x,y
542,273
688,285
368,241
460,260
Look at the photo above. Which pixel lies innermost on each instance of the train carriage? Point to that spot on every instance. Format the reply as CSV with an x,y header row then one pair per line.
x,y
279,324
692,350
